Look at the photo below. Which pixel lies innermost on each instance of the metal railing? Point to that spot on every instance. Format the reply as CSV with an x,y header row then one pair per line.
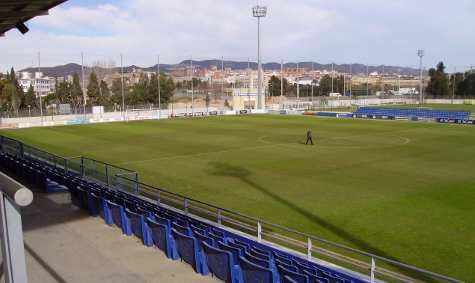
x,y
101,172
310,246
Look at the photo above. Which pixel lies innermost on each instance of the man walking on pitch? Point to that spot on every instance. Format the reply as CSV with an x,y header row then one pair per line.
x,y
309,137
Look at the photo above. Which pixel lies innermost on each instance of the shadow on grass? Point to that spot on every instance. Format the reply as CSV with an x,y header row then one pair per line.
x,y
224,169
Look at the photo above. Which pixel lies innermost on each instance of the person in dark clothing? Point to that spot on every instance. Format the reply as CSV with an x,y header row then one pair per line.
x,y
309,137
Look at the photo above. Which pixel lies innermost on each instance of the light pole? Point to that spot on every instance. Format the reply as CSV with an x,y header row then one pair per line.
x,y
312,83
453,84
122,86
298,86
282,78
344,82
333,73
420,53
83,87
222,76
249,74
158,85
192,89
351,81
259,12
37,90
367,80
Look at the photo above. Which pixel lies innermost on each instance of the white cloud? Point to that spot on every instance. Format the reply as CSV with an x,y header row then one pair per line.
x,y
377,32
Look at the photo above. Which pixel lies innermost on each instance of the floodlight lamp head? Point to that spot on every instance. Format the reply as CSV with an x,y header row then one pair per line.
x,y
259,11
420,53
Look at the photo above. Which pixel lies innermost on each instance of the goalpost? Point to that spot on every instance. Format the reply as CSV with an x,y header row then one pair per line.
x,y
142,114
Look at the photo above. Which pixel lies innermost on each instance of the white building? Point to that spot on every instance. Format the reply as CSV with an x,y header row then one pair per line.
x,y
42,85
405,91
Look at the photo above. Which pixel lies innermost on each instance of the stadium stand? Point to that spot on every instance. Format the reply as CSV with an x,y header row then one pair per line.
x,y
395,113
207,248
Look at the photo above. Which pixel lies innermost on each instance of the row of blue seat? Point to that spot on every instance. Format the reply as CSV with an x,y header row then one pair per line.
x,y
209,249
408,113
35,172
201,245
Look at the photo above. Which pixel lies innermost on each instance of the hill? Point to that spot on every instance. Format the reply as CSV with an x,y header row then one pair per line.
x,y
71,68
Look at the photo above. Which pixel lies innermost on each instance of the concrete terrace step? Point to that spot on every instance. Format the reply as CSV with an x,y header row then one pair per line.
x,y
64,244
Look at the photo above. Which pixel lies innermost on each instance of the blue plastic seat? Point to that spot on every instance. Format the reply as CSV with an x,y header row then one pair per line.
x,y
217,238
290,267
261,251
253,273
118,217
282,259
221,263
304,268
163,221
144,211
95,205
288,279
296,276
236,252
195,229
260,255
247,245
188,250
235,245
162,238
313,278
258,261
218,232
182,229
82,198
138,226
202,238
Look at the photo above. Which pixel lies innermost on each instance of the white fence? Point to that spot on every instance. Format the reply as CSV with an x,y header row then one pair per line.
x,y
129,115
147,114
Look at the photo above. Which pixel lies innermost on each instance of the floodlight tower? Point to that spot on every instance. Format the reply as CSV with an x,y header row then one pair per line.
x,y
259,12
420,53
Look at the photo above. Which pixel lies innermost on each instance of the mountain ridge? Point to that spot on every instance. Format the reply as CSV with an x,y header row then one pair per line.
x,y
357,68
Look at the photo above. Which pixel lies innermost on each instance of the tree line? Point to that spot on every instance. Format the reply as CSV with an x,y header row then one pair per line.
x,y
442,84
12,97
98,93
322,87
145,91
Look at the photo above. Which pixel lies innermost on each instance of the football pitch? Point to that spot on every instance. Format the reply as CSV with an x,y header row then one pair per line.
x,y
400,189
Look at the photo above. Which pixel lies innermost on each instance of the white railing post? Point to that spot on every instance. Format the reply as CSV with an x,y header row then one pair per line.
x,y
309,249
185,204
373,269
220,217
158,199
259,231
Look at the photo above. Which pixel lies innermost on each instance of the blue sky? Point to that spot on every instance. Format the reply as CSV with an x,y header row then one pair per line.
x,y
372,32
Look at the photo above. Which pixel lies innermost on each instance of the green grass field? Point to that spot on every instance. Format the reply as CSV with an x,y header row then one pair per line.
x,y
403,190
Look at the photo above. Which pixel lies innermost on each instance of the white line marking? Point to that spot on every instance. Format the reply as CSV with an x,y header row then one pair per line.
x,y
268,144
202,153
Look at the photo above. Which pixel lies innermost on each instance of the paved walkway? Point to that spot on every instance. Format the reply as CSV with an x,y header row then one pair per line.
x,y
64,244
